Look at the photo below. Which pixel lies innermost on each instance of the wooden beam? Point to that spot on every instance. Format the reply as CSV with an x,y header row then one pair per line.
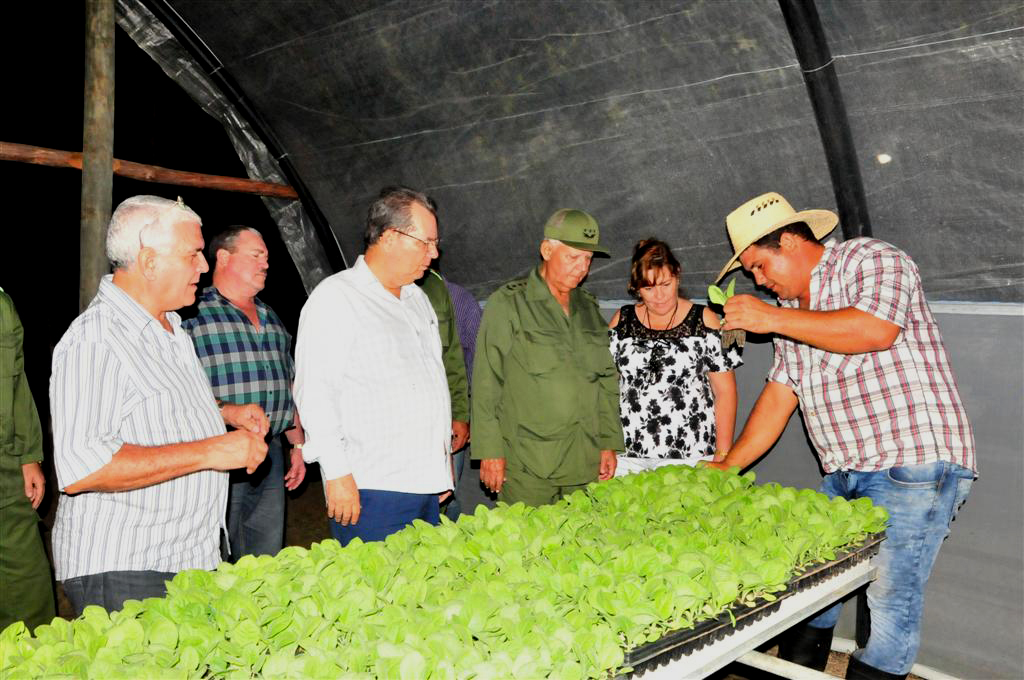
x,y
38,155
97,147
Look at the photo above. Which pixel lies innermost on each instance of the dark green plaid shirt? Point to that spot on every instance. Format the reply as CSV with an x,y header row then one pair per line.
x,y
245,365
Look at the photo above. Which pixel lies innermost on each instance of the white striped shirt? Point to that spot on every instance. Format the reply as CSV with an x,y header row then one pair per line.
x,y
371,387
120,378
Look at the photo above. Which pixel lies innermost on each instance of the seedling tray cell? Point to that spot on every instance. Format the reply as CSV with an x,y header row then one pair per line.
x,y
677,644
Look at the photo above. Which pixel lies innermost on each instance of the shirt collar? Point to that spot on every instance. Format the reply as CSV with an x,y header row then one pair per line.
x,y
365,277
537,288
819,270
131,313
212,294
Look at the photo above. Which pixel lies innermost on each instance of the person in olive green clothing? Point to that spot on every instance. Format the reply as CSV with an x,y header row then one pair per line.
x,y
545,388
451,354
26,589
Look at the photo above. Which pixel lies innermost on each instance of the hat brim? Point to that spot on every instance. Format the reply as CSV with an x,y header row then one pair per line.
x,y
821,222
592,247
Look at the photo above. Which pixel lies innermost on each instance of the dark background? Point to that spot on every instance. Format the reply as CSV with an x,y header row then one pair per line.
x,y
657,116
155,123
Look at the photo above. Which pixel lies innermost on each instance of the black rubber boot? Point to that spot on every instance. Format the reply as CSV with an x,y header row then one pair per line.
x,y
858,670
806,646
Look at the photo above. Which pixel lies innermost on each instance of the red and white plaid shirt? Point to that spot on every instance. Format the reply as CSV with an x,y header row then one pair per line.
x,y
876,410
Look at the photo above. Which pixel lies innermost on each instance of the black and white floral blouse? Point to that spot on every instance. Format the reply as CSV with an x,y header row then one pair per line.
x,y
665,399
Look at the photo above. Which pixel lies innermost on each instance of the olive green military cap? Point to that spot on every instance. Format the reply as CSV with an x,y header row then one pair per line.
x,y
576,229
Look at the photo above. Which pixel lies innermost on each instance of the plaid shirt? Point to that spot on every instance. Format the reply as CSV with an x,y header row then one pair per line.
x,y
245,365
876,410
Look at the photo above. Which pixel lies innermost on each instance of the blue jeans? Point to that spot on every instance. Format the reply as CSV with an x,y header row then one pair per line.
x,y
256,507
922,500
111,588
382,513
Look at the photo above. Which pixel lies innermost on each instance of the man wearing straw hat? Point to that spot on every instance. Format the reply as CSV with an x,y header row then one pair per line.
x,y
857,349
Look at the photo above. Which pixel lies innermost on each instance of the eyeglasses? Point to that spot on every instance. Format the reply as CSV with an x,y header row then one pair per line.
x,y
429,243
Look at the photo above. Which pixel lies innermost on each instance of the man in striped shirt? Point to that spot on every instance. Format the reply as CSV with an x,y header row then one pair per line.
x,y
140,448
246,352
857,349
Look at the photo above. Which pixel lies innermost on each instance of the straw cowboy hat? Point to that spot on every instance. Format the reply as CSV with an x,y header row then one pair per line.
x,y
762,215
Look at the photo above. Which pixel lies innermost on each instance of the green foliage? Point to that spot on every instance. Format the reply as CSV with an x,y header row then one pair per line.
x,y
559,591
716,295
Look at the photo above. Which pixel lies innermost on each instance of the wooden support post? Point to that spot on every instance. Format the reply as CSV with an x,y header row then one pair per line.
x,y
97,146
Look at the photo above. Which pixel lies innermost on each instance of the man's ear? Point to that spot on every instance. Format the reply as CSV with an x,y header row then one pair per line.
x,y
545,250
789,242
221,257
146,262
387,239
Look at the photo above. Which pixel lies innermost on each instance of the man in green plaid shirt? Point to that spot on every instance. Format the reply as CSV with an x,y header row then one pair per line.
x,y
246,352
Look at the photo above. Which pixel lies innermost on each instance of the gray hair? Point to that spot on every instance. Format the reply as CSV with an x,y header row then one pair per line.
x,y
392,210
143,221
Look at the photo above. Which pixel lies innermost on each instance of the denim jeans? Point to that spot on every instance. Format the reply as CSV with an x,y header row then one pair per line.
x,y
382,513
111,588
922,500
256,507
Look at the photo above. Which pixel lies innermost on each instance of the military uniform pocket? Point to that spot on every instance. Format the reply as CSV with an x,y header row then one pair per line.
x,y
542,352
540,456
10,368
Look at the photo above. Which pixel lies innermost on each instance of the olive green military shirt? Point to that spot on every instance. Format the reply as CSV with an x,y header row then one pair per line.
x,y
545,388
451,348
21,436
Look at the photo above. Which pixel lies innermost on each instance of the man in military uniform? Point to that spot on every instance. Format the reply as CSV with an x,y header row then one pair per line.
x,y
26,591
451,354
545,389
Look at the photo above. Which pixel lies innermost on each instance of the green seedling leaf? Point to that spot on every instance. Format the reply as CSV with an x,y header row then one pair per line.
x,y
716,295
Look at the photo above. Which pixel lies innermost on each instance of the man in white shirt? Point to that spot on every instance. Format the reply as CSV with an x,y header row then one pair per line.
x,y
140,447
370,383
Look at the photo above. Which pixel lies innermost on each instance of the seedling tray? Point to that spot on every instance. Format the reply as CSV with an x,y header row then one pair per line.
x,y
677,644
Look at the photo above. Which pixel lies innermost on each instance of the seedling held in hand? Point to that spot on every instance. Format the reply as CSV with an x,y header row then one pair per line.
x,y
716,295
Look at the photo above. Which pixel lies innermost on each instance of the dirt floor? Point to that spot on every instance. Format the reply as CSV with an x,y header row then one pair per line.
x,y
307,524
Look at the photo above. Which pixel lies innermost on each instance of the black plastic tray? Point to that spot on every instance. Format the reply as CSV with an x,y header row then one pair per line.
x,y
679,643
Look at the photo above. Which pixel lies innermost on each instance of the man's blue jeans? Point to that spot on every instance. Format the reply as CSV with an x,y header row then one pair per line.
x,y
922,500
382,513
256,507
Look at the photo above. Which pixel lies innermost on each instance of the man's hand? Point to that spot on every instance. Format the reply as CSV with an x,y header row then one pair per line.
x,y
343,500
460,434
249,417
492,473
608,464
35,483
748,313
296,471
237,449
